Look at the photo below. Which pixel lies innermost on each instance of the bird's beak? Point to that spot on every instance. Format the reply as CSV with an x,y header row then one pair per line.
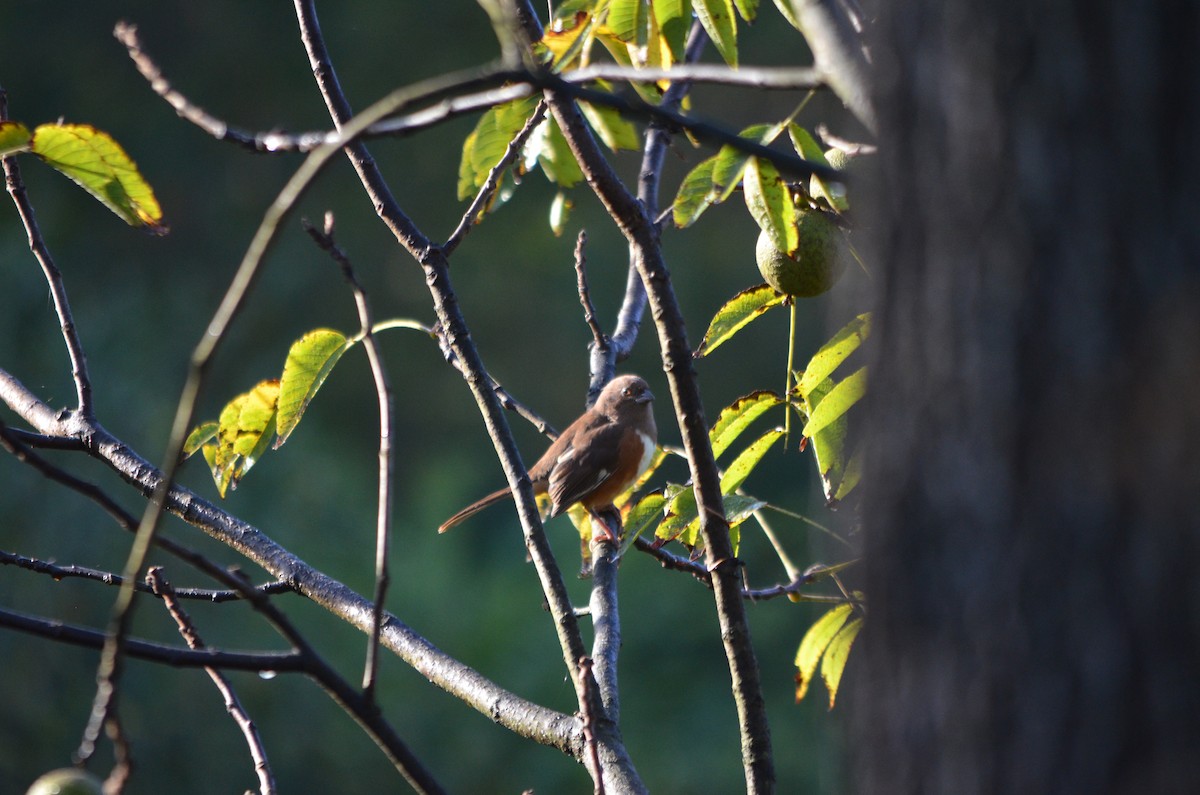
x,y
645,397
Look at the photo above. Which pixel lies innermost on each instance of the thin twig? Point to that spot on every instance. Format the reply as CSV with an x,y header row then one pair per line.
x,y
484,196
122,755
437,277
233,705
383,393
507,401
59,572
202,357
787,78
599,338
174,656
54,277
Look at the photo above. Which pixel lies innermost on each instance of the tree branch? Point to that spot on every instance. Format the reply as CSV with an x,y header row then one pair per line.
x,y
54,277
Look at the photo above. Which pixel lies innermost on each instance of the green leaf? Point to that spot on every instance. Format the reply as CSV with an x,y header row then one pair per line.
x,y
738,416
100,166
851,476
735,314
844,394
14,137
199,436
555,156
845,342
674,17
309,362
615,131
737,472
829,443
806,146
770,203
748,9
785,8
487,143
246,427
719,23
836,654
629,21
731,162
560,211
814,643
696,194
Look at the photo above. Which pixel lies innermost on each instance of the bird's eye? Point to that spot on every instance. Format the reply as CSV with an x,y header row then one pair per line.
x,y
627,391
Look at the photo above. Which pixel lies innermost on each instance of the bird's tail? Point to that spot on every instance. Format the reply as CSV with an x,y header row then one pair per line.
x,y
474,508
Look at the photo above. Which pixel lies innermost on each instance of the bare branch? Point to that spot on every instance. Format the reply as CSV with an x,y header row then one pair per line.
x,y
54,278
162,588
599,338
60,572
154,652
383,393
484,196
585,691
838,51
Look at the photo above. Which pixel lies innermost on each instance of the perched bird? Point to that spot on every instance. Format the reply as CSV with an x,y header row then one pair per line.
x,y
595,459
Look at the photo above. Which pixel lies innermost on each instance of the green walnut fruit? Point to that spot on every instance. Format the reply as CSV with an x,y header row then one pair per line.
x,y
66,781
816,265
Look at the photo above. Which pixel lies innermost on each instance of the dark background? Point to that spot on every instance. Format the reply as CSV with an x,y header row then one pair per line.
x,y
141,303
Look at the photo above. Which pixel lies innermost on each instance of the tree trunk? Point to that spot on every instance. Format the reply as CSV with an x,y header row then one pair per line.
x,y
1031,513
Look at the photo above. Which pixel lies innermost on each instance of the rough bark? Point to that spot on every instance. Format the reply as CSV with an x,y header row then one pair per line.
x,y
1030,504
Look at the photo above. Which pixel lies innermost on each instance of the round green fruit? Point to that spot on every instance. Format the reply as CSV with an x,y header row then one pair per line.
x,y
66,781
816,265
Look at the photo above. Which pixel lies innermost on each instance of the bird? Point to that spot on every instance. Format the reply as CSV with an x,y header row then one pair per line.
x,y
598,456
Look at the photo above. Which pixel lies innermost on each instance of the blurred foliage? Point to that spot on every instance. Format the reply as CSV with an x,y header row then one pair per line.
x,y
142,302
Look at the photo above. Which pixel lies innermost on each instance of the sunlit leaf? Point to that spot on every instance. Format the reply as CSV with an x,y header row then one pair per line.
x,y
696,194
200,435
785,8
851,476
487,143
719,23
737,472
738,416
829,444
735,314
100,166
814,643
836,654
566,43
629,21
555,156
844,394
645,514
770,203
806,146
14,137
680,511
614,130
731,162
748,9
560,211
834,352
309,362
256,420
674,17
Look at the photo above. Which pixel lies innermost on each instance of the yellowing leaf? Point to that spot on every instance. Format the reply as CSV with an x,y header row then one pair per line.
x,y
629,21
566,44
770,203
833,353
829,443
814,643
560,211
836,654
717,18
14,137
100,166
737,416
244,433
309,362
844,394
200,435
674,18
735,314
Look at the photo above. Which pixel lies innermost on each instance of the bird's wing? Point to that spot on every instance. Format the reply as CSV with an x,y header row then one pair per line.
x,y
578,472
